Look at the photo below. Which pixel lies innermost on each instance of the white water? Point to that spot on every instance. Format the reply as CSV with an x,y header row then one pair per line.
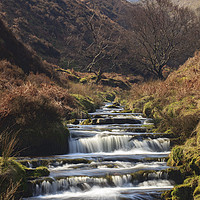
x,y
114,157
101,168
111,143
110,193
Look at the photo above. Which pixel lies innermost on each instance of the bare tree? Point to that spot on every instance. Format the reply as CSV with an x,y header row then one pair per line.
x,y
103,49
162,32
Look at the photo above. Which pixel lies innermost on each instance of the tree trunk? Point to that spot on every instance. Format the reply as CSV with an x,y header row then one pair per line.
x,y
99,76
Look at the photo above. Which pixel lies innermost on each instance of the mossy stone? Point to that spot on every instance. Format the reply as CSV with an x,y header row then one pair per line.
x,y
175,175
196,193
38,172
85,103
182,192
176,156
86,122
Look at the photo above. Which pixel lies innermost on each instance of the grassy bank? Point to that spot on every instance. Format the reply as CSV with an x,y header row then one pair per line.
x,y
174,104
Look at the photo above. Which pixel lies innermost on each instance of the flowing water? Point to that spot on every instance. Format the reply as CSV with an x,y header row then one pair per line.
x,y
108,162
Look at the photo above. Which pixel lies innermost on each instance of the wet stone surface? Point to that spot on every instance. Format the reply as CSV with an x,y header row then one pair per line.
x,y
112,160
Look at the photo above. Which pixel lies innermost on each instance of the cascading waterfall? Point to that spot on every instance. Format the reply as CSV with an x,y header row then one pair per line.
x,y
77,184
111,143
109,165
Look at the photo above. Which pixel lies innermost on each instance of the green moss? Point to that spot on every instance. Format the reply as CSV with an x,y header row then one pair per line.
x,y
85,103
73,121
13,172
83,80
139,103
149,127
186,191
182,192
194,164
148,108
38,172
196,193
176,157
86,122
185,106
137,110
166,195
112,106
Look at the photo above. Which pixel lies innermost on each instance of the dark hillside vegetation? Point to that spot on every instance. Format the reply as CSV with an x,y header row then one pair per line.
x,y
102,36
65,32
15,52
31,103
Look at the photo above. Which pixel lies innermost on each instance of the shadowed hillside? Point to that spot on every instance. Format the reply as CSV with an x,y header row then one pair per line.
x,y
65,32
15,52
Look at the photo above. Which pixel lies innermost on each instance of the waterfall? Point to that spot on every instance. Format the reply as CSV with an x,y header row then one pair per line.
x,y
107,162
69,183
111,143
77,184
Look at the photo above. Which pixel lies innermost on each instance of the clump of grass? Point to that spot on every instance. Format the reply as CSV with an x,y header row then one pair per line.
x,y
10,192
8,143
8,187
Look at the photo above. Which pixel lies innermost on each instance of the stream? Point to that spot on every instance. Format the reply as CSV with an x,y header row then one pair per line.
x,y
113,159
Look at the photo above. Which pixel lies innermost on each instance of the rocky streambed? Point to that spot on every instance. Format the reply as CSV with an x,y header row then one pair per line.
x,y
113,157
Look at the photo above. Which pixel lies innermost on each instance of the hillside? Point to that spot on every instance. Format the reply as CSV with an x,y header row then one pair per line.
x,y
194,4
15,52
66,32
175,107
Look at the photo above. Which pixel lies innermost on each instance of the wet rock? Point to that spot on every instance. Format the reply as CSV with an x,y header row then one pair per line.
x,y
74,121
113,106
117,121
98,116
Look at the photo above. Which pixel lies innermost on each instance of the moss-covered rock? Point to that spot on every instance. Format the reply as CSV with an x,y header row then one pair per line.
x,y
73,121
112,106
149,108
108,96
176,156
137,105
44,141
85,102
13,173
86,122
176,174
37,172
182,192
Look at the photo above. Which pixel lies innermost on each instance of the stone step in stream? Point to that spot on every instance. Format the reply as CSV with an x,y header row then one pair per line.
x,y
110,159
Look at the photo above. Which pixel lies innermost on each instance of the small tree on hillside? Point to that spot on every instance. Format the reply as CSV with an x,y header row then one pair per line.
x,y
163,34
104,46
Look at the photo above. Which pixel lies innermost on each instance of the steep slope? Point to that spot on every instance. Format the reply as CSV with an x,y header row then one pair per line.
x,y
62,32
15,52
194,4
175,107
114,9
